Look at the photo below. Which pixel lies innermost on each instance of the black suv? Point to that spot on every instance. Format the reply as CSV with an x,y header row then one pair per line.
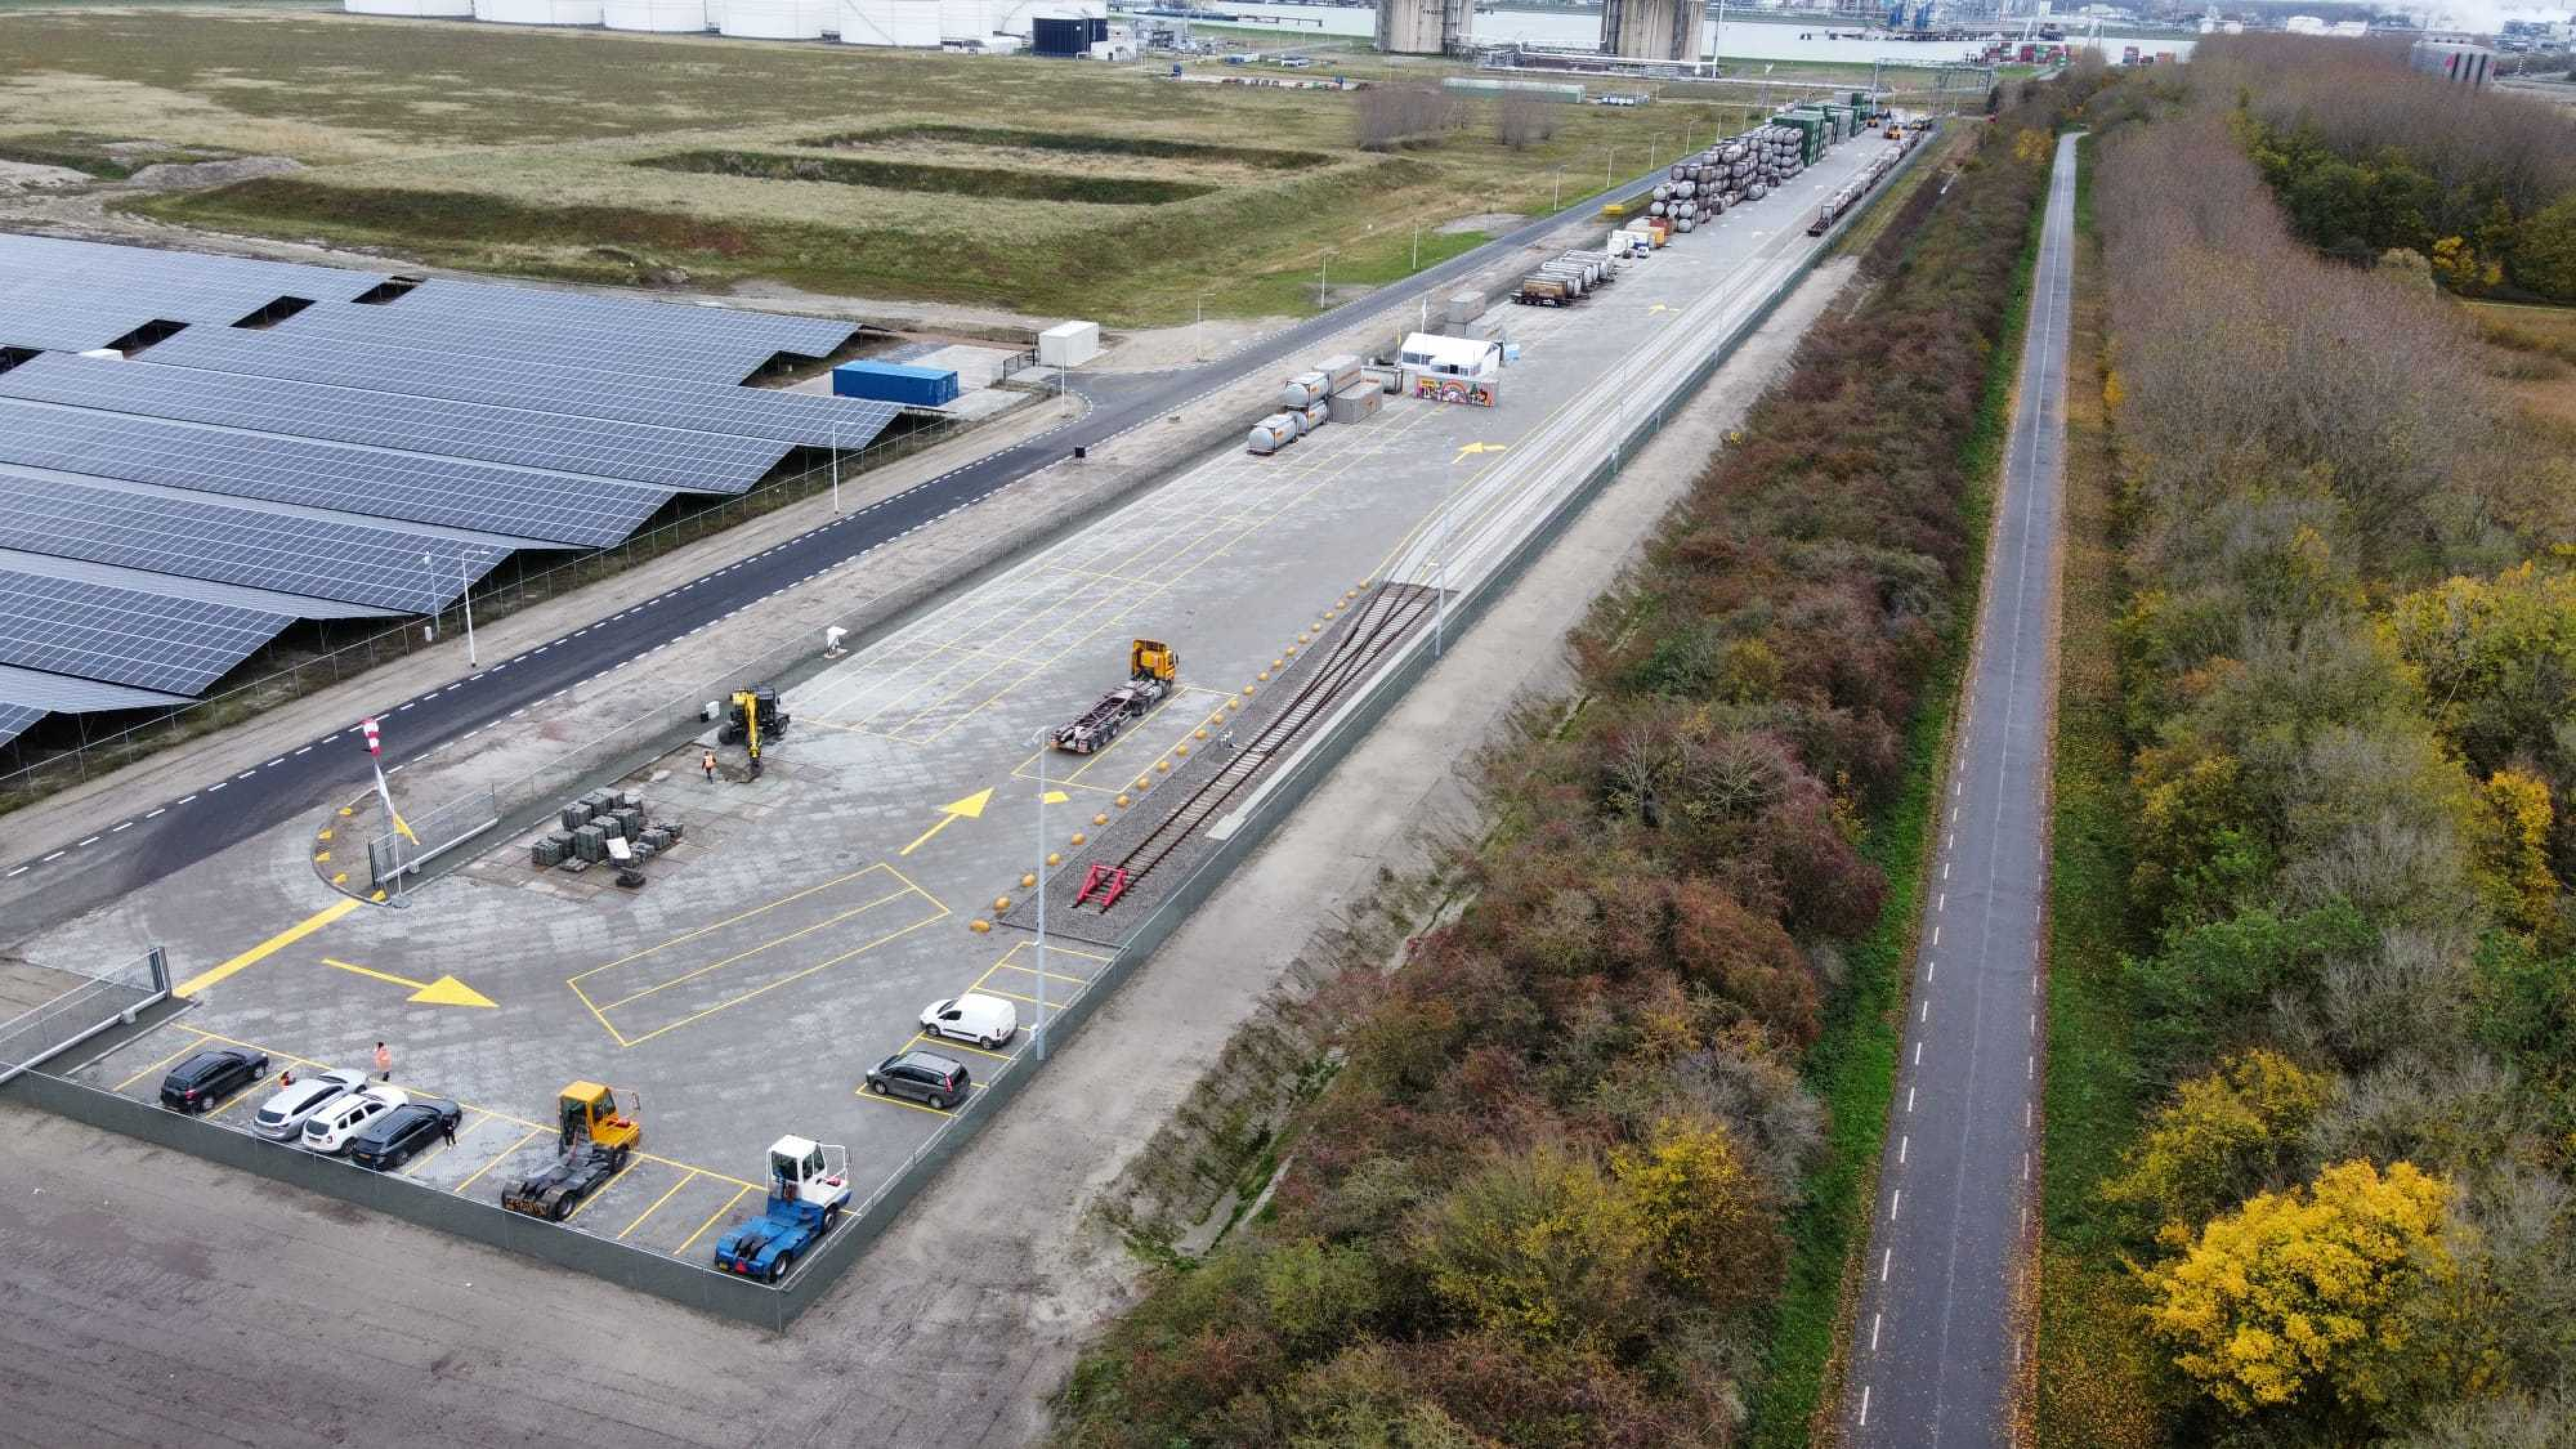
x,y
922,1076
207,1078
399,1135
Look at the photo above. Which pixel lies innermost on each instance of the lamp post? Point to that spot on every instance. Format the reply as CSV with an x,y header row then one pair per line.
x,y
836,466
1198,330
1323,275
1557,202
1037,1033
465,591
429,630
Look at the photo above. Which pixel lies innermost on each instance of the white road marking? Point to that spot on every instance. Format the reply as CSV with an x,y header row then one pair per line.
x,y
1885,1263
93,840
1875,1320
157,814
1918,1054
1903,1142
1864,1405
1895,1200
128,825
1909,1101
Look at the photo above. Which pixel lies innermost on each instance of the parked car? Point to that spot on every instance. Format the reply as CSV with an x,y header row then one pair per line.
x,y
926,1077
398,1136
987,1021
281,1118
331,1129
203,1081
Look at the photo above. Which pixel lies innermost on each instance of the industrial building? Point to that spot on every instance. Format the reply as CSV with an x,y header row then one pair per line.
x,y
1426,27
1653,29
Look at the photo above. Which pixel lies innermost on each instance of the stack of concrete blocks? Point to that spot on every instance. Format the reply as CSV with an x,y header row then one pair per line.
x,y
552,849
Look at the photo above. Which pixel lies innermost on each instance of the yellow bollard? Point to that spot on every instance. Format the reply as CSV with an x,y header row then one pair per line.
x,y
1077,835
979,927
1100,819
1054,858
1028,878
1122,802
1163,765
1001,904
1181,749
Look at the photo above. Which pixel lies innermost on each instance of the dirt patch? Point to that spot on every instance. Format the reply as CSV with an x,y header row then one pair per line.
x,y
1141,146
187,175
1493,223
983,182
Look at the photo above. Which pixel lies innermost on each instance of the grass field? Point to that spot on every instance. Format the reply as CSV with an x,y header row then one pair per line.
x,y
586,155
2542,343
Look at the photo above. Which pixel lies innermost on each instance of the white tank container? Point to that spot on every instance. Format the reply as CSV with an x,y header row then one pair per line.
x,y
676,17
423,9
773,19
538,12
890,22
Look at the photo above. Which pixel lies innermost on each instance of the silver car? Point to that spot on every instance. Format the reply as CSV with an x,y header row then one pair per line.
x,y
281,1118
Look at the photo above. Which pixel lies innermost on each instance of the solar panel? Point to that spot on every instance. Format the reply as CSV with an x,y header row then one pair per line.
x,y
65,326
485,337
100,268
16,720
481,496
705,462
629,317
350,562
126,637
592,391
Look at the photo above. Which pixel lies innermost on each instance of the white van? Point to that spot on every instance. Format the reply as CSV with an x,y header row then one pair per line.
x,y
987,1021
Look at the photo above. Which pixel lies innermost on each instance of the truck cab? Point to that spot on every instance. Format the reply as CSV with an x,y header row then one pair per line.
x,y
587,1115
809,1185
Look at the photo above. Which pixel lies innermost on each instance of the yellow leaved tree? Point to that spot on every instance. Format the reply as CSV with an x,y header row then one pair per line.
x,y
2324,1297
2221,1137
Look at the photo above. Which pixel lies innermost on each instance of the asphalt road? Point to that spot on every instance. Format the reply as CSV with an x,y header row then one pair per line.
x,y
1938,1338
166,836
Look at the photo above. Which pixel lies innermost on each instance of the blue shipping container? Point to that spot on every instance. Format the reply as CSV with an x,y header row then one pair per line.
x,y
921,387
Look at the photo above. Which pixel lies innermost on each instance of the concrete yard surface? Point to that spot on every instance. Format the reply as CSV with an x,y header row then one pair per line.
x,y
208,1298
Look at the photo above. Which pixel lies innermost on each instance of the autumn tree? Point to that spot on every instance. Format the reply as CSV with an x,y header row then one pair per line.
x,y
2222,1137
1540,1249
2325,1299
1712,1224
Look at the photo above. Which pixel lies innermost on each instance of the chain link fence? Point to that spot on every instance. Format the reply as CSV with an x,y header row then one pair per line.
x,y
511,587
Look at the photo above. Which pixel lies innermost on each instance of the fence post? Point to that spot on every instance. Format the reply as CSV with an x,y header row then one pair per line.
x,y
159,961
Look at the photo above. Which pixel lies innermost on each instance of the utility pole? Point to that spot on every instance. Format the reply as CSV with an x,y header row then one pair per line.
x,y
1557,202
1323,276
836,466
465,591
1417,246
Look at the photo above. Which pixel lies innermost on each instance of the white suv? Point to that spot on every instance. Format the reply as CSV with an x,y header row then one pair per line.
x,y
331,1128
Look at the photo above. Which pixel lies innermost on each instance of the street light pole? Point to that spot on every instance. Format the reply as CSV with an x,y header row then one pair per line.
x,y
429,631
1198,330
1557,202
1417,246
1323,275
836,465
465,590
1037,1036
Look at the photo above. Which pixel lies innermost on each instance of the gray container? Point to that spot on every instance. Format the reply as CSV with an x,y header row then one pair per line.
x,y
1356,402
1464,306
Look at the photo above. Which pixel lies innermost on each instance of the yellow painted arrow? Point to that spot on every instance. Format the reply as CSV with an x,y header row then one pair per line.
x,y
966,809
1473,449
445,991
1055,797
1658,307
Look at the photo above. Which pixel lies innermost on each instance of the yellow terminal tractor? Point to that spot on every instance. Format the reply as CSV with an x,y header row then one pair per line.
x,y
593,1141
1152,667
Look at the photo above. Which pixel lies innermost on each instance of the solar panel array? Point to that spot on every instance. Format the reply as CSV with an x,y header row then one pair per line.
x,y
544,508
706,462
595,390
322,557
17,719
125,636
291,439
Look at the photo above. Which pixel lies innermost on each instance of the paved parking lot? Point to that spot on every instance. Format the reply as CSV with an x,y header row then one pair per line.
x,y
748,990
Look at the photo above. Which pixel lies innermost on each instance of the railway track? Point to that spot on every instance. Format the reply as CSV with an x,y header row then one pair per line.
x,y
1391,612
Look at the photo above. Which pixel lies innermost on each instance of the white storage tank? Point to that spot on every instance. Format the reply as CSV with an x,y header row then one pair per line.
x,y
423,9
538,12
773,19
677,17
890,22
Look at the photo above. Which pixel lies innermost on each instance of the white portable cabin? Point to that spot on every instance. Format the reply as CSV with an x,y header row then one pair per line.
x,y
1069,344
1451,369
909,23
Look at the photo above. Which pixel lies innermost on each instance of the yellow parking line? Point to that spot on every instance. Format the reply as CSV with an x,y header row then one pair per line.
x,y
417,1163
709,1223
614,1179
657,1203
1006,965
1015,996
718,965
506,1153
1055,949
944,1044
165,1061
700,1171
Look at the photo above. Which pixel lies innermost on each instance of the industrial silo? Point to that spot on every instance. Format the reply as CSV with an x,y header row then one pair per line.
x,y
538,12
434,9
677,17
774,19
1425,27
1653,29
890,22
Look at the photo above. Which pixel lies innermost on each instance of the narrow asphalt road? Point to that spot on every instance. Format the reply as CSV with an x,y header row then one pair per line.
x,y
156,838
1938,1336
